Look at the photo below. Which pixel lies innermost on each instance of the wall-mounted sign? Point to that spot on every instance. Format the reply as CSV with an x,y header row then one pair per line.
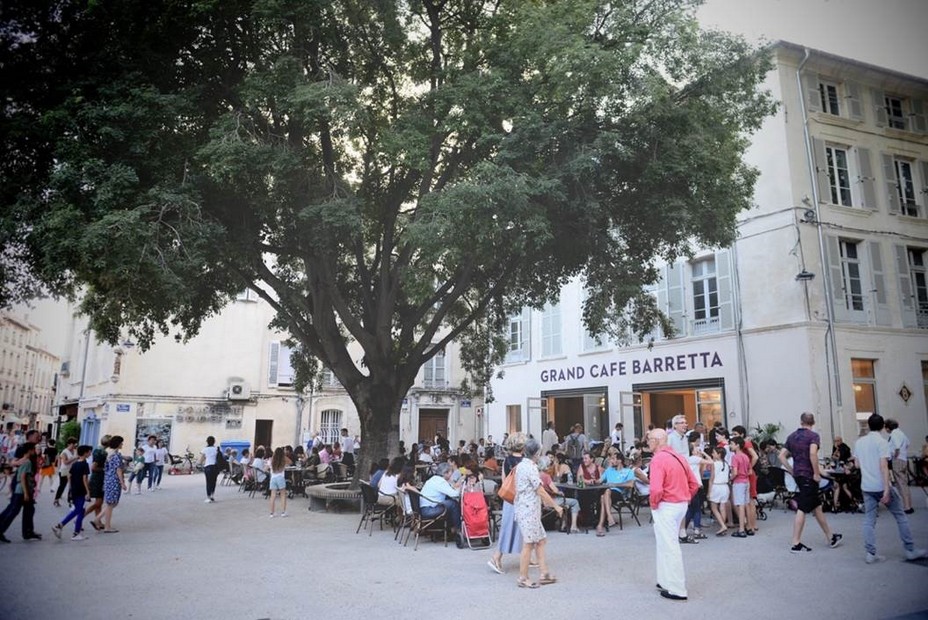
x,y
666,363
465,403
905,393
123,408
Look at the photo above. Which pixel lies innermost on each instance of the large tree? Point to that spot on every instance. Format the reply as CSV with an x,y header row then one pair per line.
x,y
396,173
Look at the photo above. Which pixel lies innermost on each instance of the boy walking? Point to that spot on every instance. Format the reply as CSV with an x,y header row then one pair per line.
x,y
80,486
23,495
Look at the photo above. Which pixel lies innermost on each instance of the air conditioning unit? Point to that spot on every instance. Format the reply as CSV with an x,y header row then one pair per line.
x,y
239,390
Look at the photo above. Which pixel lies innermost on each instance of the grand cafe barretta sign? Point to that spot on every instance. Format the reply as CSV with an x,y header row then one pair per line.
x,y
644,366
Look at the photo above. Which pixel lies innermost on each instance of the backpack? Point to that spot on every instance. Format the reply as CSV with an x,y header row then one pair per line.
x,y
574,449
221,462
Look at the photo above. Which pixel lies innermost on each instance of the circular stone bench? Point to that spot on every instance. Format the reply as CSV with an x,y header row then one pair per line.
x,y
322,496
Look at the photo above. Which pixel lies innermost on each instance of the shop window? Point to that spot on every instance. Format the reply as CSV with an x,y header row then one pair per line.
x,y
863,372
513,418
709,406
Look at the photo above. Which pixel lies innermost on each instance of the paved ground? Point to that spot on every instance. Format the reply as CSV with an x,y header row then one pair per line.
x,y
176,557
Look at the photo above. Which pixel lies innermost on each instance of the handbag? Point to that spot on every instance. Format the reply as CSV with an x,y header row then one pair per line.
x,y
507,490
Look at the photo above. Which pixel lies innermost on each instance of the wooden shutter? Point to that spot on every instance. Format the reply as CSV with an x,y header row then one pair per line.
x,y
273,358
923,169
661,288
918,116
725,290
854,105
821,170
526,332
285,372
837,278
879,107
866,178
813,97
906,295
882,315
892,186
675,297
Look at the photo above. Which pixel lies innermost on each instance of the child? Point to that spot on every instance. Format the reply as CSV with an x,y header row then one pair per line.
x,y
22,496
79,476
137,470
740,466
697,460
278,484
718,489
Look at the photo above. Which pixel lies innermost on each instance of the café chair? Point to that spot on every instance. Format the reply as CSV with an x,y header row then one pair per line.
x,y
371,510
437,524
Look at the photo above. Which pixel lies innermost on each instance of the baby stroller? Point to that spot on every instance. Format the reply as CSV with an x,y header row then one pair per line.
x,y
475,519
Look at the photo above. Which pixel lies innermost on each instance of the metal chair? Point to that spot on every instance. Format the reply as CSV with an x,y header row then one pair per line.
x,y
426,525
371,509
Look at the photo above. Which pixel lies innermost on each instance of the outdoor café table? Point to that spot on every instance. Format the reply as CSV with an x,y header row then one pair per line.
x,y
588,497
294,475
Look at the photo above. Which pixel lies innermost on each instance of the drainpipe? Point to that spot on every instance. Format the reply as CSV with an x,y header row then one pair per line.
x,y
831,353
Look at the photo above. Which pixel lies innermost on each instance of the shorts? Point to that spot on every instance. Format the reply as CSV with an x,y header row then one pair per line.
x,y
719,493
807,500
740,494
48,472
278,483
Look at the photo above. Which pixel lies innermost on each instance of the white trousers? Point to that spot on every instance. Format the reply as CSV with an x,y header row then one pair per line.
x,y
667,518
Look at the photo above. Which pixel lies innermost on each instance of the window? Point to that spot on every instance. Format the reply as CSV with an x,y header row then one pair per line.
x,y
513,418
280,369
705,297
895,116
863,372
329,381
917,273
709,405
434,371
839,178
905,187
517,335
828,93
247,295
850,273
551,330
330,425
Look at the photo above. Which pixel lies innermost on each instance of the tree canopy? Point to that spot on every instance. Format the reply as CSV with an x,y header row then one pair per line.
x,y
394,173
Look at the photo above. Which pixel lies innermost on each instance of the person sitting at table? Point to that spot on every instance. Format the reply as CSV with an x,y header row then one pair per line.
x,y
389,483
299,455
437,491
588,471
568,503
621,480
425,455
289,459
259,466
325,454
377,470
562,472
245,458
336,452
489,463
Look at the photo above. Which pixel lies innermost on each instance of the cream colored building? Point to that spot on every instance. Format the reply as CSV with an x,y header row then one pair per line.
x,y
821,304
234,381
27,372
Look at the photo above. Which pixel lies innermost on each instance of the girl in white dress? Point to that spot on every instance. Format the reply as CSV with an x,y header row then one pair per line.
x,y
718,489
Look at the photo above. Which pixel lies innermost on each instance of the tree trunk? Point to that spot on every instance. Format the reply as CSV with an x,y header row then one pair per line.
x,y
380,426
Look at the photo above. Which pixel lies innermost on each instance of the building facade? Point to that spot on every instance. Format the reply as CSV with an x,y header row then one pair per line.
x,y
820,305
28,372
234,381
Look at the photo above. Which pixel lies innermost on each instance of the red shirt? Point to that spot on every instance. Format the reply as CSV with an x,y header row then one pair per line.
x,y
741,462
671,478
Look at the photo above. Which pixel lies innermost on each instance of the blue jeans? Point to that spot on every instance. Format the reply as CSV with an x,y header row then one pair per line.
x,y
453,513
694,510
148,472
78,512
159,471
871,504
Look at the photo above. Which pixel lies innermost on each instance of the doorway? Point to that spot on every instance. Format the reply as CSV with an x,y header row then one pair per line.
x,y
700,401
263,433
587,407
431,422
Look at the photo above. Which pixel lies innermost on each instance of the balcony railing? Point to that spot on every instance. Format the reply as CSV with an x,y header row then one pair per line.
x,y
922,318
435,384
706,326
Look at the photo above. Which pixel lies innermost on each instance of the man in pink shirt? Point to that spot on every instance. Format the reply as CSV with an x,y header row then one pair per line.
x,y
672,486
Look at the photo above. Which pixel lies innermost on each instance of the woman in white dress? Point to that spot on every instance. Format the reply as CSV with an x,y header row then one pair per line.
x,y
529,495
718,489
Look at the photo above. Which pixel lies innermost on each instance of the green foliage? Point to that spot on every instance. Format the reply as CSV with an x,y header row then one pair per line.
x,y
767,431
396,174
69,429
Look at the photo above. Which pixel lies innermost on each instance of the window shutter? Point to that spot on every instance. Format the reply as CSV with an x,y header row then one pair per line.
x,y
272,363
821,170
854,105
675,297
285,372
892,187
813,97
918,116
907,298
923,168
661,290
526,333
865,178
879,106
726,298
882,314
837,279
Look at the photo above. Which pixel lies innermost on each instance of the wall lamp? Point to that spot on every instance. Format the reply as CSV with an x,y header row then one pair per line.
x,y
805,276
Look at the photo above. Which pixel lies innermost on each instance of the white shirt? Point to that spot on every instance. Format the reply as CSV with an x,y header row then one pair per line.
x,y
209,452
259,466
161,455
387,484
678,443
868,451
150,452
347,443
548,439
616,438
899,441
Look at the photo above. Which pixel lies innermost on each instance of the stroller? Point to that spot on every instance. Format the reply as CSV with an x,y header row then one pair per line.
x,y
475,519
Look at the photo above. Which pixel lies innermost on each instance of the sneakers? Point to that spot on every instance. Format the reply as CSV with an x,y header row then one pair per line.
x,y
283,514
207,500
909,511
212,499
4,539
873,558
799,548
56,530
271,515
78,537
835,540
33,536
916,554
496,568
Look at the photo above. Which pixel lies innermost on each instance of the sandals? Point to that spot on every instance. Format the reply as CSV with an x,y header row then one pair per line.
x,y
95,525
525,583
110,531
495,566
722,532
600,532
547,579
